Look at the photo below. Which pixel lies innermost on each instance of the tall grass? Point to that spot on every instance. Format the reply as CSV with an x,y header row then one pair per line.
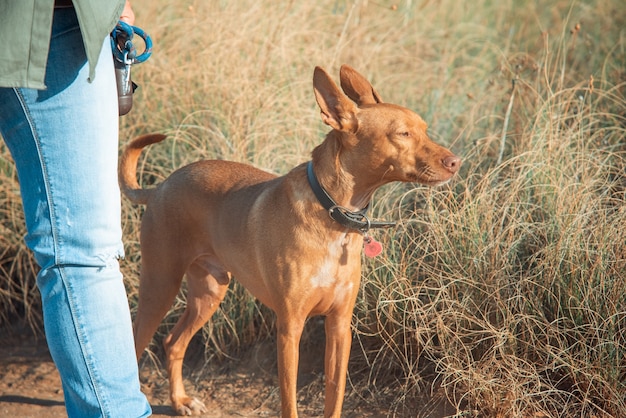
x,y
502,292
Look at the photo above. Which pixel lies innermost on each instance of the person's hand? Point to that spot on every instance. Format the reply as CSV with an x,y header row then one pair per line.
x,y
128,15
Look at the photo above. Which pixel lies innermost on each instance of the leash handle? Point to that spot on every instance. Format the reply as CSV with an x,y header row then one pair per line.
x,y
122,45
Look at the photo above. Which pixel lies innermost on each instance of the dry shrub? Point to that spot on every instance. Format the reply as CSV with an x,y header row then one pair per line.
x,y
505,291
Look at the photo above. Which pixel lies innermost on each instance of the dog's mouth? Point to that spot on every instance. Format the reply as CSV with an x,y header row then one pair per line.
x,y
428,177
438,175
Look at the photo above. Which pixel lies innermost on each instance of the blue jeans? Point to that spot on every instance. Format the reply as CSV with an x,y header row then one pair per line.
x,y
64,141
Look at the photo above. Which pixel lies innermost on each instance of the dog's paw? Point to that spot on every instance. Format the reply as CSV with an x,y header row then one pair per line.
x,y
191,406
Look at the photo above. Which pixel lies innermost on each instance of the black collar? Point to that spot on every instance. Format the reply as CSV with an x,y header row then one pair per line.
x,y
353,220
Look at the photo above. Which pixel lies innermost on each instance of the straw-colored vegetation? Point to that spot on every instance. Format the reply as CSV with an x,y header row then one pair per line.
x,y
504,291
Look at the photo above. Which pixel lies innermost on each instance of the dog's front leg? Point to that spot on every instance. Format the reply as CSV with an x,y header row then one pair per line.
x,y
338,342
289,331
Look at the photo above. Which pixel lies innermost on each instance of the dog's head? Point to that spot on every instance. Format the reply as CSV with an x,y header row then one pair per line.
x,y
390,141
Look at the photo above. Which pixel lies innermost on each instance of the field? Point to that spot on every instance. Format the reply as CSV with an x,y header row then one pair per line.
x,y
501,294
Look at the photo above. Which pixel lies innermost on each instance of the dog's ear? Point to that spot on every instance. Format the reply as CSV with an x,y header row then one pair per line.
x,y
357,87
336,109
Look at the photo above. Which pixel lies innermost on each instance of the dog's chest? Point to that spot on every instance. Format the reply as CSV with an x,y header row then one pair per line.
x,y
337,262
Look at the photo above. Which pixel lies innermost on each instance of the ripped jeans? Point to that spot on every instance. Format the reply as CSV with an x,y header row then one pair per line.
x,y
64,141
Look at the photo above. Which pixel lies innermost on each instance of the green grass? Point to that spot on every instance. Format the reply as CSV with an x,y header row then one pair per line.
x,y
503,291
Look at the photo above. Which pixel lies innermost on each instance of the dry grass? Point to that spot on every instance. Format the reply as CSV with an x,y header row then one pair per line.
x,y
502,292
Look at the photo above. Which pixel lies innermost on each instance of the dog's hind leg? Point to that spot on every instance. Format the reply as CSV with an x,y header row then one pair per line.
x,y
158,286
206,289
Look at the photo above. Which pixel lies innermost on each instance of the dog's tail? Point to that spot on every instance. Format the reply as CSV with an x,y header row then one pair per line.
x,y
127,172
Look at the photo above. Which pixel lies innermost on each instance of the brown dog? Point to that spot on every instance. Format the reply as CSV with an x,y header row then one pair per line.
x,y
213,220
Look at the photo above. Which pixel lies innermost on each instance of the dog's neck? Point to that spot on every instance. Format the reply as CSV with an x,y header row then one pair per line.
x,y
334,172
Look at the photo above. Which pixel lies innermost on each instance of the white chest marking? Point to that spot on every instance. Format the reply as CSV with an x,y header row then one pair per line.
x,y
326,274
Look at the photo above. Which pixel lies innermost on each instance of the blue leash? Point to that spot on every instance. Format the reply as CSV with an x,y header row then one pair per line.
x,y
125,55
129,53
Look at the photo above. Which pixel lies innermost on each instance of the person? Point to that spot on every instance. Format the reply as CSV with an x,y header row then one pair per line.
x,y
59,119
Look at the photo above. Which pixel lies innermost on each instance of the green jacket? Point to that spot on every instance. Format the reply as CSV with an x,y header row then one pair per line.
x,y
25,27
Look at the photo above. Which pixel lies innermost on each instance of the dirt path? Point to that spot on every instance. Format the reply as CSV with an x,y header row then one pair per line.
x,y
30,385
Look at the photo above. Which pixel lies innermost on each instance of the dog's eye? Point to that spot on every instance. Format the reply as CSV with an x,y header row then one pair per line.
x,y
405,133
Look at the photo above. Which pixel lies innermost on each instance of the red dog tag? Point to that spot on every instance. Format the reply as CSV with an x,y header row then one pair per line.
x,y
371,247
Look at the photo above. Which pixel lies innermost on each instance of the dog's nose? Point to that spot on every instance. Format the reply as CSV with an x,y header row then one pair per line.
x,y
452,163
